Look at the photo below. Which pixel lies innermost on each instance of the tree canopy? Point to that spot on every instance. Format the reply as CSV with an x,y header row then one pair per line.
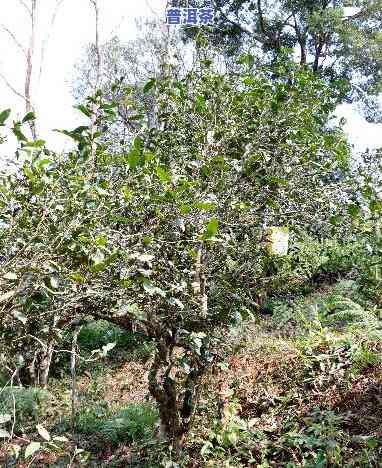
x,y
338,40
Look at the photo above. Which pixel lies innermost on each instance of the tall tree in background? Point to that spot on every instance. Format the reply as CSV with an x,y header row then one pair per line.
x,y
135,62
29,54
340,40
96,84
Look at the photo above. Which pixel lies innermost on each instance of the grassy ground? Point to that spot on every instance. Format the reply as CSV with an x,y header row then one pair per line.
x,y
299,388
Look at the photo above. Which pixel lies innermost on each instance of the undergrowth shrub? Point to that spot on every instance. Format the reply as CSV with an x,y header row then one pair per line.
x,y
89,418
296,418
132,423
341,308
363,357
30,404
309,261
99,333
316,440
135,422
3,380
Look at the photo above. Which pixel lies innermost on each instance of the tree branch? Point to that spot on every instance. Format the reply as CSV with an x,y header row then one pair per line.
x,y
14,39
244,29
46,40
11,87
360,14
26,7
301,41
261,18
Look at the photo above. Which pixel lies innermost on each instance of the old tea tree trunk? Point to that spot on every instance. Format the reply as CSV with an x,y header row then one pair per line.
x,y
180,361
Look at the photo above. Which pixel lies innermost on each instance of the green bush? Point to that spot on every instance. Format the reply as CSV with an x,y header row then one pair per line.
x,y
135,422
30,403
3,380
90,419
310,257
363,358
99,333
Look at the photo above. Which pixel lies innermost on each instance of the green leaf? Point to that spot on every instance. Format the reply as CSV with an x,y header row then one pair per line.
x,y
80,129
211,229
84,110
138,143
207,206
232,437
246,59
335,220
136,117
149,156
18,133
133,158
77,277
372,442
153,290
60,439
201,104
375,205
28,172
176,302
186,209
32,448
108,347
149,85
28,117
163,175
353,210
4,115
133,309
98,257
101,241
126,192
35,144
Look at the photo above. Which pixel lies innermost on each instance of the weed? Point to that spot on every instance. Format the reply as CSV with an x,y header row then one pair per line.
x,y
135,422
30,404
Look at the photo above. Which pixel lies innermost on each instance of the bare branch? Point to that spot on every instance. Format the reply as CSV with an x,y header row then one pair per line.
x,y
242,27
14,90
114,30
29,68
358,15
93,123
26,7
46,40
19,45
261,17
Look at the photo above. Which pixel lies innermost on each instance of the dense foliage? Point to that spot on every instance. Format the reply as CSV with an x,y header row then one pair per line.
x,y
338,40
169,237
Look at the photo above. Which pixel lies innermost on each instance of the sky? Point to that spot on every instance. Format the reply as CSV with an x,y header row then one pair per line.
x,y
73,30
